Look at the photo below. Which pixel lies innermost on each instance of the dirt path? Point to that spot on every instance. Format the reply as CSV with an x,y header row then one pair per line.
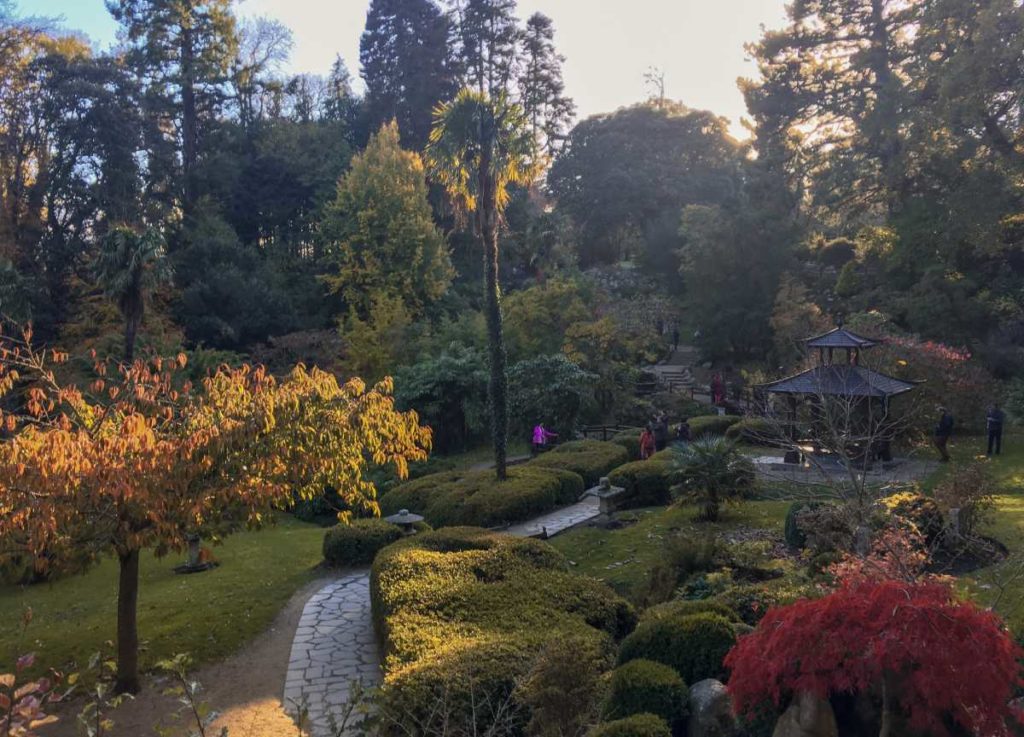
x,y
245,689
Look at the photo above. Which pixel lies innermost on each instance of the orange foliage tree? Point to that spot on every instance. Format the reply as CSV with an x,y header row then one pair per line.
x,y
141,459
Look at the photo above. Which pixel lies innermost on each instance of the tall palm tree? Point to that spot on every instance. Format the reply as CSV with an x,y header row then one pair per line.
x,y
130,265
478,148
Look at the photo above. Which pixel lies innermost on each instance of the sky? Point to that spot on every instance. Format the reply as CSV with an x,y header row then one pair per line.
x,y
608,44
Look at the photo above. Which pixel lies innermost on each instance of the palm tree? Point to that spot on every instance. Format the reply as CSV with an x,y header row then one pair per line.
x,y
130,265
478,148
713,469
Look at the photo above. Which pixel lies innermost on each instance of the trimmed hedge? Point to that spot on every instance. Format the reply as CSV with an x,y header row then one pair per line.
x,y
591,459
685,607
712,424
638,725
754,430
477,498
646,687
630,440
357,543
919,510
694,644
463,614
646,483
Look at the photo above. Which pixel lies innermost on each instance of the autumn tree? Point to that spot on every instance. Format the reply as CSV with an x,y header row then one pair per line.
x,y
481,146
380,234
140,459
931,660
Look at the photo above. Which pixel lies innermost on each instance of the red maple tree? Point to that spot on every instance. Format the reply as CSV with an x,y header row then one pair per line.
x,y
930,659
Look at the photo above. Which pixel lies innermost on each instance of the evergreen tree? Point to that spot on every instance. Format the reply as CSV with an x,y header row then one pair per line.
x,y
541,89
183,50
489,37
407,65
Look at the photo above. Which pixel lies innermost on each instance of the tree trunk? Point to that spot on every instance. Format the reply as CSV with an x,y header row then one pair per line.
x,y
127,624
497,387
131,331
189,117
888,708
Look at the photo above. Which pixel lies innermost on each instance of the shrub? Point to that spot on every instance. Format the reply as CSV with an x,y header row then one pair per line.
x,y
630,440
756,430
591,459
752,601
684,607
646,687
713,470
919,510
477,498
712,424
969,488
955,664
357,543
638,725
563,689
695,644
646,483
464,615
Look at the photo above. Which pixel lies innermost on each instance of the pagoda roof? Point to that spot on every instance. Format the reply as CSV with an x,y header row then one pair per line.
x,y
840,338
843,380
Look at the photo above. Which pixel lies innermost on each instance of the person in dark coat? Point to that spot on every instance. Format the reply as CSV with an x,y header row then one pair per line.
x,y
943,430
661,432
994,423
683,433
675,338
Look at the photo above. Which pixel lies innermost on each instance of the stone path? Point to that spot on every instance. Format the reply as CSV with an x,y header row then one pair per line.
x,y
559,520
335,644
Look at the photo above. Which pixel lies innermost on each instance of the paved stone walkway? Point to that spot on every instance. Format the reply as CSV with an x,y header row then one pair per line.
x,y
335,644
559,520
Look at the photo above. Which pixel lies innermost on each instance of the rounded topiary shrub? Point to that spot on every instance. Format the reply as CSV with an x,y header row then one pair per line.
x,y
646,483
591,459
684,607
694,645
644,686
918,509
755,430
630,440
638,725
357,543
712,425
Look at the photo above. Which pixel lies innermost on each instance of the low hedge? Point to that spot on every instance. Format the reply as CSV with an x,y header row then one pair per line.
x,y
638,725
630,440
694,645
712,424
646,483
357,543
646,687
477,498
684,607
754,430
463,614
591,459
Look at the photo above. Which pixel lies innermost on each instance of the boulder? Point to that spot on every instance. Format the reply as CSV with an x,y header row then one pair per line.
x,y
808,716
711,713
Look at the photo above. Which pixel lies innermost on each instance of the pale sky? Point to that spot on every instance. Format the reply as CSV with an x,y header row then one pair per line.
x,y
608,44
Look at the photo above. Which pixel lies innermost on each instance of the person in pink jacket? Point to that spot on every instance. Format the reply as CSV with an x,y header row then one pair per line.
x,y
541,435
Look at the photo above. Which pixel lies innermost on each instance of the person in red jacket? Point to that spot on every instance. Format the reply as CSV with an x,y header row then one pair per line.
x,y
647,446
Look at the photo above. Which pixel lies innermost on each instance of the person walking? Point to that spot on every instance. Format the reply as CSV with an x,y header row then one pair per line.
x,y
994,424
647,447
661,432
717,390
675,338
541,435
943,430
683,433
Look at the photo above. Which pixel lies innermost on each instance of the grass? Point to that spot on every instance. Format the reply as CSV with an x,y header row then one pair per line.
x,y
623,557
208,615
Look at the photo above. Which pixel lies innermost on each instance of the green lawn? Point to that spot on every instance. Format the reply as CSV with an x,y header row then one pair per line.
x,y
208,615
638,547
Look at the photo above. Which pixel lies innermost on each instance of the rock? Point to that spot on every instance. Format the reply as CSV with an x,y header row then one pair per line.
x,y
711,713
808,716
